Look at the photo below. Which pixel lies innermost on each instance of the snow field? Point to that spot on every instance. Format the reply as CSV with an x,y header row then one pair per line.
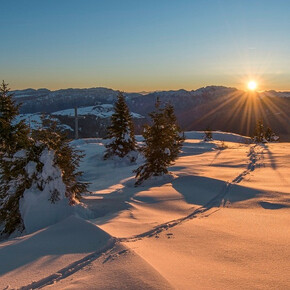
x,y
220,220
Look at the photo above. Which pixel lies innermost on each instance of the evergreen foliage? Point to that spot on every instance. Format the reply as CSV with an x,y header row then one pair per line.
x,y
14,139
13,135
45,162
263,136
66,157
259,135
121,131
163,142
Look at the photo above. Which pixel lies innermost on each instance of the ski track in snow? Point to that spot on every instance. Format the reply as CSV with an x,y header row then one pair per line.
x,y
70,269
255,154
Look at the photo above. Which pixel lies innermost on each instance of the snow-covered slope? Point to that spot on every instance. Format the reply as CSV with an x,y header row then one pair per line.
x,y
101,111
34,121
220,221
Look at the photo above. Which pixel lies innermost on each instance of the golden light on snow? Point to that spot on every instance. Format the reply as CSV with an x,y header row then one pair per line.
x,y
252,85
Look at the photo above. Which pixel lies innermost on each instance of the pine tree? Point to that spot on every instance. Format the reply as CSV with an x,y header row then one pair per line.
x,y
259,134
13,135
45,162
121,131
268,134
66,157
14,140
163,142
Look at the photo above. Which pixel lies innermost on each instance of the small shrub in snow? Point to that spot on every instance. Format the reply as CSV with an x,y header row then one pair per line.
x,y
208,135
163,142
121,131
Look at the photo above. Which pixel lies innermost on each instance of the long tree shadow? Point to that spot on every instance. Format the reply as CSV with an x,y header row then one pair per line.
x,y
197,148
271,157
200,190
107,206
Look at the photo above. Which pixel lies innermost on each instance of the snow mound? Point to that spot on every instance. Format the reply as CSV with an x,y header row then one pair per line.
x,y
55,247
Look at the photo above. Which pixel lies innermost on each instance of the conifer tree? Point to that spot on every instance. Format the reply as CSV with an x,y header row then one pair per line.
x,y
13,135
163,142
14,140
268,134
45,162
66,157
121,131
259,134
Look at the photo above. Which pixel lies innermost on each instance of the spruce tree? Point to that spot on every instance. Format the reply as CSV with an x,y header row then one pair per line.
x,y
268,134
67,158
121,131
13,134
45,162
259,134
163,142
14,140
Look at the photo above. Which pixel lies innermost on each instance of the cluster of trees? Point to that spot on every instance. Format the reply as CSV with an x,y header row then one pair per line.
x,y
41,160
163,139
262,135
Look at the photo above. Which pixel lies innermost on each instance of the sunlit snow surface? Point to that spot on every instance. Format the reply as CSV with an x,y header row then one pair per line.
x,y
220,220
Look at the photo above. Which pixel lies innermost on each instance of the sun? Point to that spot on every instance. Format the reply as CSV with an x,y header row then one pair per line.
x,y
252,85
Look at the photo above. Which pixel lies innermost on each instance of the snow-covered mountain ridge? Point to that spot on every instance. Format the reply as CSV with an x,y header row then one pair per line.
x,y
217,107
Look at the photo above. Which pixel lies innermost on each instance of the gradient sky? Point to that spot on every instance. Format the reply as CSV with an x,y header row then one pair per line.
x,y
137,45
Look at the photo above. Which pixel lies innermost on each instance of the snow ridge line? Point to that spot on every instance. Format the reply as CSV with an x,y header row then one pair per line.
x,y
70,269
216,201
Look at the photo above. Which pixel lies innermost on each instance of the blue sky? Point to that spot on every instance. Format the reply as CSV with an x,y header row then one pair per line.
x,y
145,45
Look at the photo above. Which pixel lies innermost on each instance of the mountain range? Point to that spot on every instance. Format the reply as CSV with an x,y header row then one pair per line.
x,y
214,107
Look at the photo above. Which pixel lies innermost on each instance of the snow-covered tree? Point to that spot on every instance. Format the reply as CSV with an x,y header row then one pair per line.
x,y
14,139
43,165
121,131
270,136
67,158
30,170
259,134
163,141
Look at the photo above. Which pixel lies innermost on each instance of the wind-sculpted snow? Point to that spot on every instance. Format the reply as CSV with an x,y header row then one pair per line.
x,y
215,222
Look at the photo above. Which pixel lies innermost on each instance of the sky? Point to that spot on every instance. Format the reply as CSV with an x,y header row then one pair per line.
x,y
137,45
